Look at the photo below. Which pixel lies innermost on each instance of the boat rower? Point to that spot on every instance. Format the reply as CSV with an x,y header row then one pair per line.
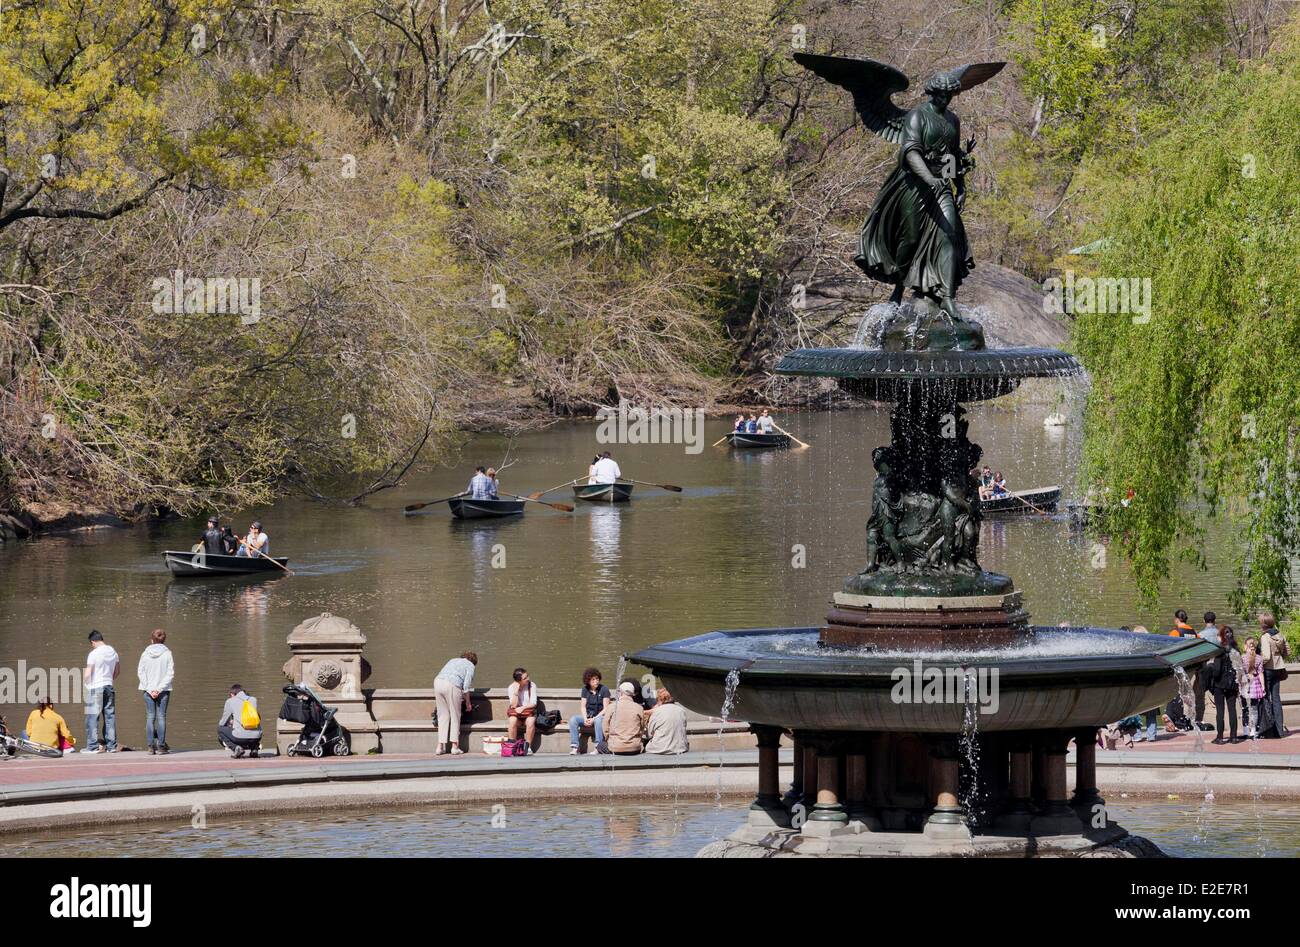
x,y
256,543
765,423
606,470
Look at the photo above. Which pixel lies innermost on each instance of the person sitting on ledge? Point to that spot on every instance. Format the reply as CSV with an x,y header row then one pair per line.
x,y
666,728
46,727
240,726
625,723
522,706
595,698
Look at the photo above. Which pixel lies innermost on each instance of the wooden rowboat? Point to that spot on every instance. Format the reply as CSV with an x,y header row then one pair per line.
x,y
195,565
464,508
1023,501
603,492
745,440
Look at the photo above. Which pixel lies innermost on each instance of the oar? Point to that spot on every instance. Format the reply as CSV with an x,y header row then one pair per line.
x,y
265,556
661,486
722,438
562,507
419,506
1042,513
542,493
789,435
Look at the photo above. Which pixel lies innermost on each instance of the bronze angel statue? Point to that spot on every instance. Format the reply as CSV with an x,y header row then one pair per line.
x,y
913,237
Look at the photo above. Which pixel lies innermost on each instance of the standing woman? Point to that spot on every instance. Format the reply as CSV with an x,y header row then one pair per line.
x,y
1222,679
1275,651
452,689
156,671
1252,688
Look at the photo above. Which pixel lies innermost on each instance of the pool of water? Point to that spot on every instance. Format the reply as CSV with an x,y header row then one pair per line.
x,y
1181,827
756,539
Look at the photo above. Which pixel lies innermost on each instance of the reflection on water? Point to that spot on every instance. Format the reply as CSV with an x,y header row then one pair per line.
x,y
1238,830
575,589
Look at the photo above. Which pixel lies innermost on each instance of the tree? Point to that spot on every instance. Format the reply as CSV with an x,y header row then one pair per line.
x,y
1194,410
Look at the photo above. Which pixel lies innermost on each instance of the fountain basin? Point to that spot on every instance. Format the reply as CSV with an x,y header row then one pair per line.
x,y
1067,678
881,375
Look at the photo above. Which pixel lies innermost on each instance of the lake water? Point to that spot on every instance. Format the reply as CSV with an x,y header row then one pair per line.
x,y
755,539
650,829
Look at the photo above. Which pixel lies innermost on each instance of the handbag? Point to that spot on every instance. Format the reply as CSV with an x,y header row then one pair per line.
x,y
548,720
514,747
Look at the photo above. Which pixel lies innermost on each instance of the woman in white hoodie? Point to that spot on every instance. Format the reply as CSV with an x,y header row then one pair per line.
x,y
156,671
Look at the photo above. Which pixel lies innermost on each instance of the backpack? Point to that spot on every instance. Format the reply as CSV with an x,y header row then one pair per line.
x,y
248,717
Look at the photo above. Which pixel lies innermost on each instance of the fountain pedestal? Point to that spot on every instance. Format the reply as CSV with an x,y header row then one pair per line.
x,y
926,623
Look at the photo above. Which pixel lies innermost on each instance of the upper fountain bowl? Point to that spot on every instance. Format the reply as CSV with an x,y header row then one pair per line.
x,y
899,348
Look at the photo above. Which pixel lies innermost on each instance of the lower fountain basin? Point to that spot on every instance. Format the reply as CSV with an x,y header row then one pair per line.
x,y
1065,678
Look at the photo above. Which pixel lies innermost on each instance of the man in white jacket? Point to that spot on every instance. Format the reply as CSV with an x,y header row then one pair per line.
x,y
156,671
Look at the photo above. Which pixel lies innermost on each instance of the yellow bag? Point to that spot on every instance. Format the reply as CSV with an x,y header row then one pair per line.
x,y
248,718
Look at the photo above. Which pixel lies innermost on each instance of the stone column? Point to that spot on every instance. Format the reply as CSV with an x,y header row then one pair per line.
x,y
946,820
810,776
828,816
1019,785
327,659
766,810
1086,797
1056,818
794,795
861,816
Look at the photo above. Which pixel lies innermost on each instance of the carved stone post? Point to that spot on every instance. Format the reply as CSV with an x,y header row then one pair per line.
x,y
327,659
767,810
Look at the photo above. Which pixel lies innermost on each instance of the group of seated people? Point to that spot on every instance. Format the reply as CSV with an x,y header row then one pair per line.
x,y
221,540
756,424
626,722
992,484
622,722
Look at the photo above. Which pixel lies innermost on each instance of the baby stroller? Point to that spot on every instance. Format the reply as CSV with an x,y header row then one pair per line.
x,y
321,733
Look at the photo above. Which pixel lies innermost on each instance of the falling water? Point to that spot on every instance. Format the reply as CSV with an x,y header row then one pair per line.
x,y
1188,698
969,747
618,673
728,705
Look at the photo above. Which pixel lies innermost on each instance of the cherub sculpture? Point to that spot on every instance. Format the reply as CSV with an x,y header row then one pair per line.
x,y
913,237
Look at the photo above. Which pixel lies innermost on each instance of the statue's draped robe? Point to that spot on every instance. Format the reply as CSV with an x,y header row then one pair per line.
x,y
912,234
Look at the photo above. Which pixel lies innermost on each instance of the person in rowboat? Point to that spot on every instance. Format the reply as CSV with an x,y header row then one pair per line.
x,y
999,485
765,423
606,470
492,476
256,544
751,426
480,486
591,470
740,424
986,483
211,538
229,541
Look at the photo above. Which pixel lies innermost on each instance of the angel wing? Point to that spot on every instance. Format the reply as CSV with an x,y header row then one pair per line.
x,y
873,85
973,74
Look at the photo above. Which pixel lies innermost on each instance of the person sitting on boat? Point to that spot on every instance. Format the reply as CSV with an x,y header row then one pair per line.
x,y
751,426
591,470
211,538
986,483
229,541
740,424
494,483
999,485
606,470
256,544
480,485
765,423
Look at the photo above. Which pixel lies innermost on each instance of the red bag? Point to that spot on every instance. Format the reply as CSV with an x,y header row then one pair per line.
x,y
514,747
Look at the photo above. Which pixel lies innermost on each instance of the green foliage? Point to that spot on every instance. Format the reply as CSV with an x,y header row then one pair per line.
x,y
1195,410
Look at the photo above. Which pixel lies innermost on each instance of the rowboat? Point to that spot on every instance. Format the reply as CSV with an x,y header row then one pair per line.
x,y
607,492
201,565
464,508
746,440
1039,499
